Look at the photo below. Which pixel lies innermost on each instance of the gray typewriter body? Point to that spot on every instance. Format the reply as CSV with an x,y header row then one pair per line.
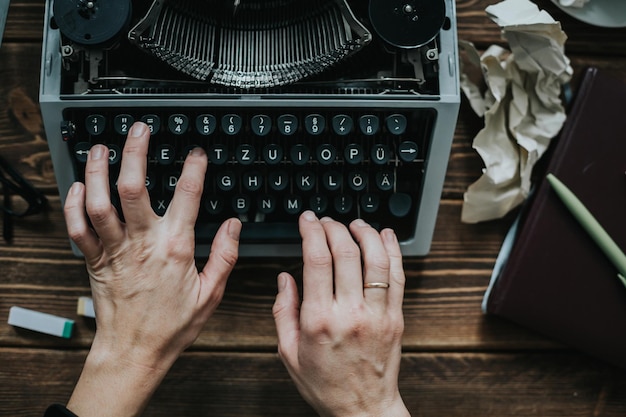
x,y
384,135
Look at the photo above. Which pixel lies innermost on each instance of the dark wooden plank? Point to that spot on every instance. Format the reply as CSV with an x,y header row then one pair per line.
x,y
24,21
245,384
442,302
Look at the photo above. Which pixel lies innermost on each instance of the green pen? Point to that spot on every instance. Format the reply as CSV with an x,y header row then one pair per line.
x,y
591,225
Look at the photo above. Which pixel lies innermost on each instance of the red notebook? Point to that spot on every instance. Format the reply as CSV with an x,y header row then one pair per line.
x,y
550,276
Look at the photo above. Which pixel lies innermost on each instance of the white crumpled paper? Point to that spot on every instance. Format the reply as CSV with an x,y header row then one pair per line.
x,y
521,105
574,3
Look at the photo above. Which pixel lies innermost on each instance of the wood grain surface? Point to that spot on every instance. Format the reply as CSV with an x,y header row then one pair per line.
x,y
457,361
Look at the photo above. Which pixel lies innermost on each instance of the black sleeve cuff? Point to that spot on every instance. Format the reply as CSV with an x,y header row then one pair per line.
x,y
57,410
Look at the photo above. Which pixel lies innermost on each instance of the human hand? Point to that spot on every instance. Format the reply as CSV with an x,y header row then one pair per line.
x,y
150,300
342,346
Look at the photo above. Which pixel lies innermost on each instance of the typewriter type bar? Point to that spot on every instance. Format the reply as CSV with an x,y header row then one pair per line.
x,y
337,113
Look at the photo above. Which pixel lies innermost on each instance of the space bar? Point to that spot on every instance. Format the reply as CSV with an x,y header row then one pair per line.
x,y
254,232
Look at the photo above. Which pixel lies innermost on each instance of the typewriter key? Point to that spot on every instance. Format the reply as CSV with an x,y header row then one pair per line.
x,y
407,24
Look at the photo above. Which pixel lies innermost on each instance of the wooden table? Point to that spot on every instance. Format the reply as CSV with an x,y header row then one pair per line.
x,y
456,362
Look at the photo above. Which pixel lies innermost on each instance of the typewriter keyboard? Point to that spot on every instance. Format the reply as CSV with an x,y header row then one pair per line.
x,y
267,166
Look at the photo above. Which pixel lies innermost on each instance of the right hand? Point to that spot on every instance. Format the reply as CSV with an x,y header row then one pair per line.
x,y
342,346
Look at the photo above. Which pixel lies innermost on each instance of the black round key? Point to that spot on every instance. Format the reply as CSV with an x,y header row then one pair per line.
x,y
407,151
318,203
160,204
315,124
171,180
115,154
245,154
178,124
272,154
214,204
150,181
266,204
369,125
357,180
278,180
153,121
218,154
343,204
206,124
292,204
353,153
226,181
326,154
380,154
122,123
165,154
287,124
385,180
396,124
300,154
95,124
370,203
81,151
400,204
241,204
252,181
332,180
261,124
231,124
342,124
305,180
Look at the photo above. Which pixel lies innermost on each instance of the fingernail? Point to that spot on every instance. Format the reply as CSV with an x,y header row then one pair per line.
x,y
282,282
96,152
389,236
309,216
326,219
196,151
234,229
360,223
75,188
137,129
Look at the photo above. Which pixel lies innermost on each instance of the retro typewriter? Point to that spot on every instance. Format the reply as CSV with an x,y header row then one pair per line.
x,y
343,107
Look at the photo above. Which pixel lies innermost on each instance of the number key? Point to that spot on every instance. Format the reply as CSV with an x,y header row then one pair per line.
x,y
261,124
206,124
95,124
231,124
122,123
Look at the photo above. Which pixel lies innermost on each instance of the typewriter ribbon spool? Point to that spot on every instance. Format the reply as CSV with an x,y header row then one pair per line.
x,y
407,24
92,22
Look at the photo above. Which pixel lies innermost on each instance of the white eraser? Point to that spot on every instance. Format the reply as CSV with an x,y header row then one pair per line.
x,y
41,322
85,307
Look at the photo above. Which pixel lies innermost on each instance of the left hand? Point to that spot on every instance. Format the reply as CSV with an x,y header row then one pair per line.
x,y
150,300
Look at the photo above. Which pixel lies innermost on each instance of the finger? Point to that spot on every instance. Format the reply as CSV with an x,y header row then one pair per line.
x,y
397,278
223,257
375,260
101,212
131,183
346,261
183,210
287,318
317,280
78,228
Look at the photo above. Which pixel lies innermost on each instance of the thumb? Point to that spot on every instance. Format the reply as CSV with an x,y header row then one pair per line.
x,y
286,311
223,257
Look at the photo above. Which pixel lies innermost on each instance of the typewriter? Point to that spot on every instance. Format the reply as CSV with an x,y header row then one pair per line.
x,y
343,107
